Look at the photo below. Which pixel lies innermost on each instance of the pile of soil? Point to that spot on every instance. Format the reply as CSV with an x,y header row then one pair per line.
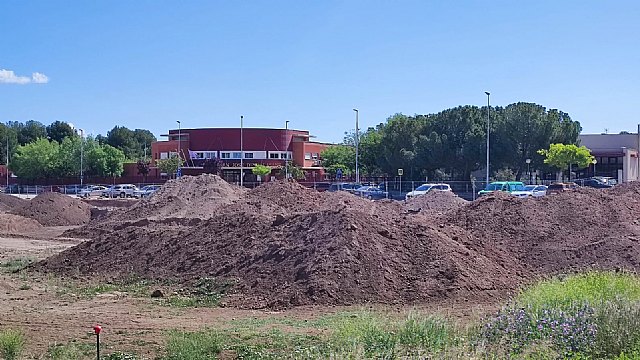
x,y
187,197
284,245
54,209
15,224
10,202
435,201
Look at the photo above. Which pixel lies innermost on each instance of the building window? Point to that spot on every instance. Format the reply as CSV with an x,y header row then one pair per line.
x,y
612,160
248,155
225,155
307,156
315,156
283,156
164,155
273,155
210,155
237,155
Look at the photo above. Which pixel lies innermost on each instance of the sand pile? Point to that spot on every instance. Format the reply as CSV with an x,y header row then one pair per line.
x,y
10,202
435,201
54,209
15,224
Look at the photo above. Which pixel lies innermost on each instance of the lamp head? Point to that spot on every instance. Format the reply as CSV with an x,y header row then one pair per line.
x,y
488,93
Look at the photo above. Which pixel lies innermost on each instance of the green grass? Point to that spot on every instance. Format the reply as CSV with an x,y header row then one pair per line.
x,y
202,345
17,264
11,344
591,287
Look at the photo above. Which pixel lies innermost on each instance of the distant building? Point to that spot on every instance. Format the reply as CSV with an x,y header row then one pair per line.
x,y
271,147
616,155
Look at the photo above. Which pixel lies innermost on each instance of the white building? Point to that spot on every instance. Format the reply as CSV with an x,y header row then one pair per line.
x,y
616,155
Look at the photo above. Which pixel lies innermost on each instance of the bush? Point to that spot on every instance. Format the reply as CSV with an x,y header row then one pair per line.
x,y
11,344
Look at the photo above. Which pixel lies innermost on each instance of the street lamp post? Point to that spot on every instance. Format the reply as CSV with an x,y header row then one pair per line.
x,y
488,107
594,162
241,150
286,150
81,157
7,161
357,139
528,161
179,143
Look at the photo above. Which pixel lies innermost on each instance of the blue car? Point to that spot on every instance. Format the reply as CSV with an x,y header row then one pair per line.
x,y
370,192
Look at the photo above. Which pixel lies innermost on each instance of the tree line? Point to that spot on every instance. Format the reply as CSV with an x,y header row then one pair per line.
x,y
451,144
37,151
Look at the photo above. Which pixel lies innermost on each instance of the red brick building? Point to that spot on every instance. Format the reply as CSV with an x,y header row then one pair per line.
x,y
271,147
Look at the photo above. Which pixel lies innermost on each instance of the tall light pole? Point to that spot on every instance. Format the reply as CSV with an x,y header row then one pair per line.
x,y
594,162
357,139
488,107
241,150
286,150
179,143
81,157
528,161
7,162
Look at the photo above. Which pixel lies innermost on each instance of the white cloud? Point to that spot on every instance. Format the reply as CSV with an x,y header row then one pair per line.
x,y
9,77
39,78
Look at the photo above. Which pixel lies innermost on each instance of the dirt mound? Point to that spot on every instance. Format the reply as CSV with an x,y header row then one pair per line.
x,y
10,202
54,209
336,257
15,224
284,245
435,201
187,197
590,228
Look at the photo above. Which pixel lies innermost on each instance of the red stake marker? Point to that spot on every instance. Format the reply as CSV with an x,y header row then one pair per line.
x,y
97,329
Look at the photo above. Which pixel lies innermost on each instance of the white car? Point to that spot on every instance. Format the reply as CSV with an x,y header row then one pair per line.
x,y
425,188
123,190
531,191
93,190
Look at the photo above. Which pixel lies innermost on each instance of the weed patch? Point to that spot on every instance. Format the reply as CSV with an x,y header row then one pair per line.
x,y
16,265
11,344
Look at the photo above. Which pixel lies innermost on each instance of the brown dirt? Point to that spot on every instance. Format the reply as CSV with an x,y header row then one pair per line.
x,y
54,209
284,245
10,202
435,201
16,224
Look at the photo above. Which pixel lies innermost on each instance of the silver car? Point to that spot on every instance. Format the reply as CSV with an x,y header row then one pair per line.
x,y
92,190
121,190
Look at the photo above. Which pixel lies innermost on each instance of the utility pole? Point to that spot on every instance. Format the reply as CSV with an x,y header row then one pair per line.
x,y
241,150
488,107
286,150
357,139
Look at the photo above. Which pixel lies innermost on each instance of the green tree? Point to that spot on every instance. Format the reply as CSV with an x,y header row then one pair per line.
x,y
29,131
67,163
131,142
294,171
342,155
59,130
261,170
96,159
7,133
35,160
114,160
562,156
169,166
144,167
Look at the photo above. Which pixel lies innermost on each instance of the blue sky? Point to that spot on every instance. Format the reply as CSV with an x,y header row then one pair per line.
x,y
146,64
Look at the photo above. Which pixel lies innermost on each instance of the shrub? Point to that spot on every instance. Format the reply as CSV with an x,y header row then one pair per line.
x,y
618,324
11,344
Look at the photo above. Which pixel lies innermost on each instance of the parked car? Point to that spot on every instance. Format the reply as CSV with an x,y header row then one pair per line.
x,y
92,190
370,192
595,183
343,187
146,191
559,187
508,186
531,191
122,190
425,188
